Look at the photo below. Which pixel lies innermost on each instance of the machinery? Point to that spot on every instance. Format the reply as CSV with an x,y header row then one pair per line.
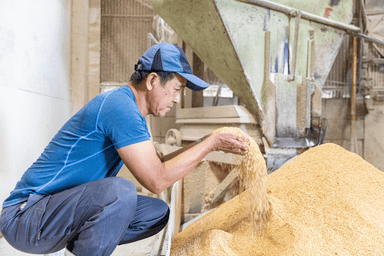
x,y
275,56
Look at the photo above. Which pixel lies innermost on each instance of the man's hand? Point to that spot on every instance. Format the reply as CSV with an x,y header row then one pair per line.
x,y
230,142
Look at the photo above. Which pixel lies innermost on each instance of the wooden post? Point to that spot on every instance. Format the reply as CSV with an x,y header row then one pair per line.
x,y
198,70
187,103
94,24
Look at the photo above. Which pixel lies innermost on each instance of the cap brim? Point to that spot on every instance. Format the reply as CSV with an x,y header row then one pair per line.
x,y
194,83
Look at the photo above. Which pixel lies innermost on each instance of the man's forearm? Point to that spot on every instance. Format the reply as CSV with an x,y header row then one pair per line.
x,y
160,175
184,162
181,150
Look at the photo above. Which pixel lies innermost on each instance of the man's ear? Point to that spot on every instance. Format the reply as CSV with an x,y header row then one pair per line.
x,y
151,81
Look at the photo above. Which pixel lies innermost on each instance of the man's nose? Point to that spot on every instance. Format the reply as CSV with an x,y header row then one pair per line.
x,y
177,98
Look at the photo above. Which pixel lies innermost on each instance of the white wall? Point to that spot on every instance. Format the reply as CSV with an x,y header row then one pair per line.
x,y
34,82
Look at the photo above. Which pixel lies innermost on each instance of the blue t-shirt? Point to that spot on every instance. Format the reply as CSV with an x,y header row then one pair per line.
x,y
85,148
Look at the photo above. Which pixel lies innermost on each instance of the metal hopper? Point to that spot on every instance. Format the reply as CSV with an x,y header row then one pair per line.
x,y
274,55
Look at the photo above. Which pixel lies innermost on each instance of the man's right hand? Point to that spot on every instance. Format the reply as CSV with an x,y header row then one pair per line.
x,y
230,142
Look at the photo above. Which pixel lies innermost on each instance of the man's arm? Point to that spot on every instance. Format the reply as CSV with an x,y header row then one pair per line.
x,y
181,150
155,175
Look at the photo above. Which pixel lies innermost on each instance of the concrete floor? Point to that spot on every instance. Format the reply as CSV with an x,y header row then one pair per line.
x,y
144,247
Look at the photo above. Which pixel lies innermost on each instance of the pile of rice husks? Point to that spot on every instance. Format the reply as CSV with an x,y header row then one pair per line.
x,y
327,201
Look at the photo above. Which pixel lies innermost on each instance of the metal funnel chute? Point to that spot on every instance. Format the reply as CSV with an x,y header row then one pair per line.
x,y
275,56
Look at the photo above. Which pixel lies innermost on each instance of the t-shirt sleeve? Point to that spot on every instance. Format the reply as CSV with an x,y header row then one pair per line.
x,y
121,121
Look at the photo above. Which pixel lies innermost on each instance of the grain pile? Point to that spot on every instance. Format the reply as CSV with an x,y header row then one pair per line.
x,y
327,201
253,177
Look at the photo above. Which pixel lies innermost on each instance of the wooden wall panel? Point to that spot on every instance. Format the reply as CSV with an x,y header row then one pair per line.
x,y
124,37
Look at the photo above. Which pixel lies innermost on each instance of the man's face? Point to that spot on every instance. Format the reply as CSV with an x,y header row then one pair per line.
x,y
163,97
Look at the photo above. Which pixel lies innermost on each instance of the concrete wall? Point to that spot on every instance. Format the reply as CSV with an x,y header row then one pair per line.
x,y
337,111
34,81
369,128
373,135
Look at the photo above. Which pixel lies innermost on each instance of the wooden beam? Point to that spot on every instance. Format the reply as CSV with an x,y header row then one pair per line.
x,y
94,25
79,54
214,112
374,11
198,70
188,93
224,186
178,189
216,121
216,156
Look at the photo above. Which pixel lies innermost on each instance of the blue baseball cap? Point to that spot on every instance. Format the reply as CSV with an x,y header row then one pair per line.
x,y
170,57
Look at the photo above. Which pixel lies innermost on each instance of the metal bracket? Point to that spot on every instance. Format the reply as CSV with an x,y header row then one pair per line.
x,y
311,56
315,136
291,77
276,157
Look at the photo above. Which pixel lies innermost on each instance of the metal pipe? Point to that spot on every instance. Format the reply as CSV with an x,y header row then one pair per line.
x,y
369,38
354,73
361,17
353,141
304,15
359,79
291,77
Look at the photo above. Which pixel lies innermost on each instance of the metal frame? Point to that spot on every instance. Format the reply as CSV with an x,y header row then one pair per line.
x,y
304,15
311,17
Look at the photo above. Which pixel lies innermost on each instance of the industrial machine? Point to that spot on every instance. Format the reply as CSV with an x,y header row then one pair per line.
x,y
275,56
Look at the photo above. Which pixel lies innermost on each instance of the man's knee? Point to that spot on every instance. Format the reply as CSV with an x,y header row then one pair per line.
x,y
125,191
162,212
157,209
119,186
162,209
122,184
165,217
